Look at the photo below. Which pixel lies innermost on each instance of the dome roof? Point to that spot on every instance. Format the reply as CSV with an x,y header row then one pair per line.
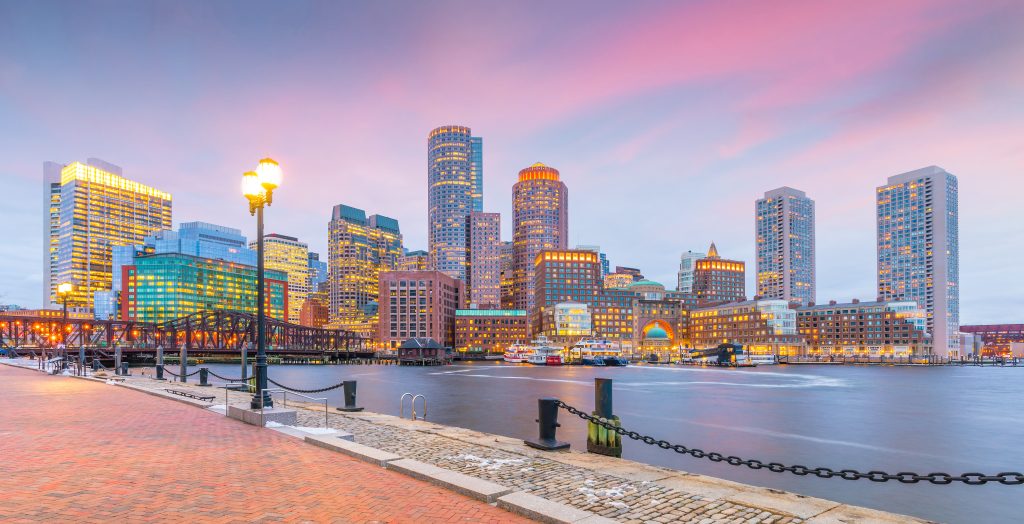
x,y
656,332
646,283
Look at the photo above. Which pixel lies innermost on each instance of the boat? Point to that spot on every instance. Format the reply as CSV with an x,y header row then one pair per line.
x,y
762,360
544,354
598,352
516,353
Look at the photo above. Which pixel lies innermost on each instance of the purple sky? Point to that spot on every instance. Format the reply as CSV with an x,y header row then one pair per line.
x,y
666,119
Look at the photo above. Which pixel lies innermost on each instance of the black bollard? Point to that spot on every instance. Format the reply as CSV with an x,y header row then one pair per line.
x,y
547,411
160,372
124,369
350,396
204,377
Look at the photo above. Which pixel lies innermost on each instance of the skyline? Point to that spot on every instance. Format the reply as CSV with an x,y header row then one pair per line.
x,y
699,145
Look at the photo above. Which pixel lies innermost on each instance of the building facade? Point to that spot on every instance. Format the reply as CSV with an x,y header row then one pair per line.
x,y
454,190
414,261
563,276
507,265
359,249
317,271
99,209
871,329
603,257
51,229
540,221
168,286
995,340
718,280
763,327
687,267
918,249
289,255
489,331
418,304
483,233
618,280
784,235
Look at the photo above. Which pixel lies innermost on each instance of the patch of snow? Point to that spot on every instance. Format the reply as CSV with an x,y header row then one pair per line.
x,y
617,504
316,431
487,463
272,424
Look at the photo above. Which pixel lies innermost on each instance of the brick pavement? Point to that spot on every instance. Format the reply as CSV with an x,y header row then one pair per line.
x,y
75,450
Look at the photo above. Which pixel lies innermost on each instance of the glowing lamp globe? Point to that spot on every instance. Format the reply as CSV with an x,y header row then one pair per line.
x,y
64,289
269,172
251,186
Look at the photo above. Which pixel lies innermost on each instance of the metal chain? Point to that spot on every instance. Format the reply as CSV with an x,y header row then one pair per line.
x,y
226,378
321,390
1011,478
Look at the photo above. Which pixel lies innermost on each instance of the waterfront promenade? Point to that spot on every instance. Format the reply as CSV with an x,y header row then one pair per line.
x,y
74,450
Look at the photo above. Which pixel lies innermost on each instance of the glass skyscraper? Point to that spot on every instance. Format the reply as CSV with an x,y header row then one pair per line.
x,y
919,252
454,190
687,266
317,271
288,255
784,233
540,221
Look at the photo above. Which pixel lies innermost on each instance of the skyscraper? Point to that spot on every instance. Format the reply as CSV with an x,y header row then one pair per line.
x,y
359,249
717,280
687,264
51,228
540,221
484,282
918,249
100,209
784,232
317,271
291,257
454,189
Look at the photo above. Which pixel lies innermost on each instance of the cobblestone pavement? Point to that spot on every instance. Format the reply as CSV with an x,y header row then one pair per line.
x,y
79,451
601,493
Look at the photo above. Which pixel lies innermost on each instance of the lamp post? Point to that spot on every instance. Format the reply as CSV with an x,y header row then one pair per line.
x,y
258,187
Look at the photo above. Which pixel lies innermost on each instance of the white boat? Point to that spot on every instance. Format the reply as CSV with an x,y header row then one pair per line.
x,y
517,353
544,354
597,352
761,360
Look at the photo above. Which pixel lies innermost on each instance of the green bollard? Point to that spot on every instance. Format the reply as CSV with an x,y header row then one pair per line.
x,y
600,439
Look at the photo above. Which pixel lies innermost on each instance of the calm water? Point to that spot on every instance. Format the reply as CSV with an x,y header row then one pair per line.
x,y
953,420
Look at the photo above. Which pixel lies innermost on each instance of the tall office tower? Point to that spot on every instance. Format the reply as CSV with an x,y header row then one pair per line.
x,y
484,282
454,189
100,209
918,249
288,255
571,275
51,228
717,280
687,263
507,266
358,250
784,232
317,271
605,268
540,221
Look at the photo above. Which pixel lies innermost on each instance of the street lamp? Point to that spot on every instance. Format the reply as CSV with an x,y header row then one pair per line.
x,y
258,187
63,291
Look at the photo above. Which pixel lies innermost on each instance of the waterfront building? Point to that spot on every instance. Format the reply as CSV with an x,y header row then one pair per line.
x,y
563,276
657,320
718,280
168,286
605,268
414,261
204,240
288,254
763,327
507,273
483,231
315,310
572,320
633,272
540,221
51,228
98,209
613,316
784,233
863,329
359,249
687,268
317,271
489,331
618,280
918,249
418,304
995,340
454,190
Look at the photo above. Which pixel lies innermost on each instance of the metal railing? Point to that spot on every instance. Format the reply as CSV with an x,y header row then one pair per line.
x,y
284,392
412,406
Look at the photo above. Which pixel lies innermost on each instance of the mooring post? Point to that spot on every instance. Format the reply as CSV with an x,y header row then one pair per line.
x,y
124,369
184,363
160,362
600,439
117,359
349,387
204,377
81,360
547,420
245,361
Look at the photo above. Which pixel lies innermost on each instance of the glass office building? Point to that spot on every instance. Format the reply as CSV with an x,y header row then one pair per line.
x,y
454,190
287,254
784,234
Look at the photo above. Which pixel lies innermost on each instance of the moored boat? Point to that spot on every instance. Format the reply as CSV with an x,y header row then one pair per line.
x,y
516,353
597,352
544,354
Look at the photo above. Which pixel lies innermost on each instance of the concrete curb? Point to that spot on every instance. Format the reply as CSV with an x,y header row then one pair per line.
x,y
543,510
452,480
359,451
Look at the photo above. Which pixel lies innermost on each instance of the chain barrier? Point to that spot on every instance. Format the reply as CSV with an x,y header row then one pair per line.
x,y
1011,478
173,374
212,374
321,390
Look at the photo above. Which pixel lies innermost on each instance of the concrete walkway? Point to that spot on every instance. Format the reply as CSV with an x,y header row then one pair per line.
x,y
82,451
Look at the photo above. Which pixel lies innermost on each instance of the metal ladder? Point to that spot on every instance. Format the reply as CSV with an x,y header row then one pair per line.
x,y
412,406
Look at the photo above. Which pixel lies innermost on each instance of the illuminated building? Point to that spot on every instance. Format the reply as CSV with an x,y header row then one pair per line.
x,y
359,250
540,221
617,280
605,269
100,209
287,254
784,232
613,315
455,189
687,267
507,265
659,318
563,276
51,228
858,328
631,271
168,286
918,249
717,280
414,261
763,327
314,311
418,304
484,249
572,320
489,331
317,271
997,340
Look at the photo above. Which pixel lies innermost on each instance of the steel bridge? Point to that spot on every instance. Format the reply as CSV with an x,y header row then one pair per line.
x,y
207,332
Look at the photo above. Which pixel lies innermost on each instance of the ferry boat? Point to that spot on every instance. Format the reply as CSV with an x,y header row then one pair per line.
x,y
598,352
761,360
544,354
517,353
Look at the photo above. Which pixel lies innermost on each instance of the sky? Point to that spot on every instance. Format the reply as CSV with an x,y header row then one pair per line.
x,y
667,120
